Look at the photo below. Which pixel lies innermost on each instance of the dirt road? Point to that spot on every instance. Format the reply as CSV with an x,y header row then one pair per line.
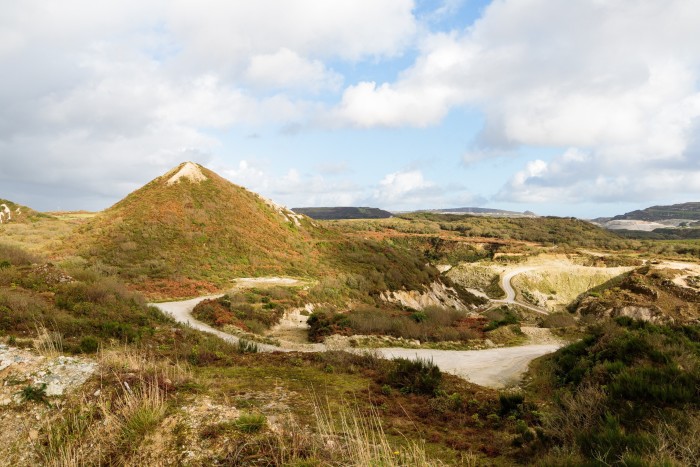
x,y
494,368
510,291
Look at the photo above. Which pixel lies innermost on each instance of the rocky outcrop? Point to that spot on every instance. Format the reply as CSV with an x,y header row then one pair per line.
x,y
437,294
653,314
6,213
54,376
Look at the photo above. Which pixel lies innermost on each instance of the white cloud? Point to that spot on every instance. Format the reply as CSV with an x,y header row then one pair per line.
x,y
617,80
368,105
398,186
286,69
348,29
93,87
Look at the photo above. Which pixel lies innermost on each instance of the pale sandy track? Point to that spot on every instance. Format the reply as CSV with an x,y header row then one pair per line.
x,y
507,286
495,368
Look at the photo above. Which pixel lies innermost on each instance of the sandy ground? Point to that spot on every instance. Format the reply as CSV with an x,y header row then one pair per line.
x,y
189,171
495,368
686,270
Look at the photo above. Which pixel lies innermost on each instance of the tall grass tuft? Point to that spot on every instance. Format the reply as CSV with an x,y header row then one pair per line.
x,y
361,440
48,343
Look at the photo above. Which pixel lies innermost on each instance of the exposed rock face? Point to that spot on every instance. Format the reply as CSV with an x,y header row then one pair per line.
x,y
437,294
5,213
287,214
57,375
653,314
188,171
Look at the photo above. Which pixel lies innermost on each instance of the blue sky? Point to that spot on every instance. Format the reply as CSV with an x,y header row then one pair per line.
x,y
583,108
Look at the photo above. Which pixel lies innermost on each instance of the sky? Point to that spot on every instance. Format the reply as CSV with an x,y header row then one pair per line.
x,y
580,108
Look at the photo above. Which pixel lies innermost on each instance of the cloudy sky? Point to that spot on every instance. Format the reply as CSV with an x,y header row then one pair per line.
x,y
577,107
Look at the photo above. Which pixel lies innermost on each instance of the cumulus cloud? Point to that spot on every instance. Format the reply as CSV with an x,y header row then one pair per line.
x,y
617,80
401,190
286,69
91,90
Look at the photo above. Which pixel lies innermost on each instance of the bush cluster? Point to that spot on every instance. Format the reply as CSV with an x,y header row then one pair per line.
x,y
434,324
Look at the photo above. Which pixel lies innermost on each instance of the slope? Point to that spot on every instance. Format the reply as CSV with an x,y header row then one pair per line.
x,y
687,211
333,213
192,225
13,212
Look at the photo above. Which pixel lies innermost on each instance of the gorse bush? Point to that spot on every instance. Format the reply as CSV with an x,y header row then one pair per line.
x,y
434,324
254,310
83,306
640,376
14,256
415,376
503,317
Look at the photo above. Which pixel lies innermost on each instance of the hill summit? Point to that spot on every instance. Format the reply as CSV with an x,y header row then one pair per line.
x,y
191,230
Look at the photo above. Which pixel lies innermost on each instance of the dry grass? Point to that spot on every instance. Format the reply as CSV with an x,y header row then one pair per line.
x,y
43,237
679,444
576,413
48,343
361,440
135,361
108,430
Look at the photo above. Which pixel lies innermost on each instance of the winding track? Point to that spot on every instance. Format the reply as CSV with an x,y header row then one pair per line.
x,y
506,284
494,368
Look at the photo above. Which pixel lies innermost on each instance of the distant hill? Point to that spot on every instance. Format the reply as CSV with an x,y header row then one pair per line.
x,y
483,212
687,211
333,213
660,219
13,212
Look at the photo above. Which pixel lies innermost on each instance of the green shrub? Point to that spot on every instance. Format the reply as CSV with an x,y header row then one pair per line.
x,y
250,423
507,318
419,316
246,346
510,404
611,441
34,393
415,376
89,344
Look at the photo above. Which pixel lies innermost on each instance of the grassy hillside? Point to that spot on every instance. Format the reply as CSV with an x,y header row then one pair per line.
x,y
332,213
546,230
689,211
208,230
11,212
628,394
190,236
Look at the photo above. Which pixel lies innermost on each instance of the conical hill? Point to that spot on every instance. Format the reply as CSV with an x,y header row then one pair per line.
x,y
192,229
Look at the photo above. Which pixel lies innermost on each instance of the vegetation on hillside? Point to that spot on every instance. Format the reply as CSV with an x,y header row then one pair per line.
x,y
333,213
546,230
158,380
434,324
254,310
16,213
645,292
629,394
659,213
191,237
209,230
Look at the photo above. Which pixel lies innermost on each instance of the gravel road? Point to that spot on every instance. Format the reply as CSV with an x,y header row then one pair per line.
x,y
494,368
